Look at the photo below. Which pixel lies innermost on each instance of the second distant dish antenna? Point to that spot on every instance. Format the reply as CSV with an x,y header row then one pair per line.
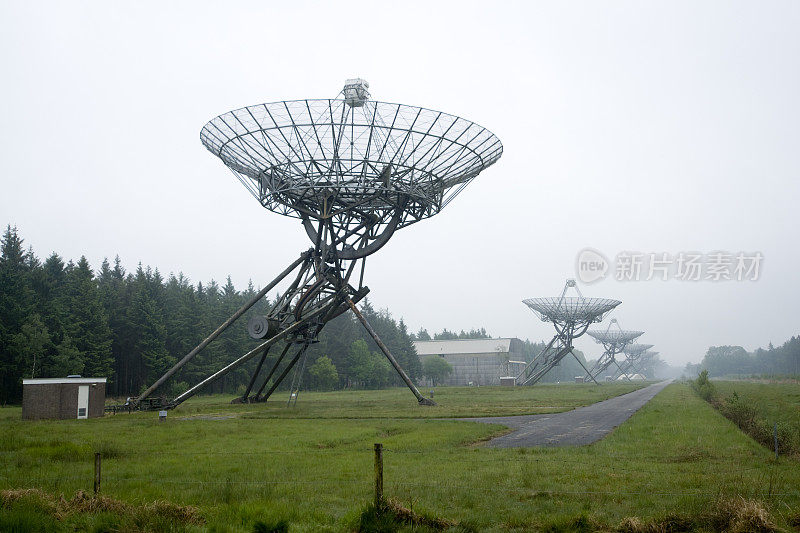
x,y
571,316
633,353
614,341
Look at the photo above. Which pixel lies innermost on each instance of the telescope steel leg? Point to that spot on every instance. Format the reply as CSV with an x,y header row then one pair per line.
x,y
257,397
548,366
637,368
525,374
255,375
583,366
621,372
600,366
625,368
420,398
246,357
242,310
285,372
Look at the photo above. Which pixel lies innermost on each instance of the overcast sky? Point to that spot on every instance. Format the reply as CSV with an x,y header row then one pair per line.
x,y
660,127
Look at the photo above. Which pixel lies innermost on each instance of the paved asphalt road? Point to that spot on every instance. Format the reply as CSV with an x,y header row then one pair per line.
x,y
584,425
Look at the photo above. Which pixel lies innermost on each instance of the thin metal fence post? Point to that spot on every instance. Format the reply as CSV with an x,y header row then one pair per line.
x,y
97,473
378,474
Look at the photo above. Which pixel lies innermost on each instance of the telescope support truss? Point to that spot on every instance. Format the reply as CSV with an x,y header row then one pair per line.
x,y
571,317
633,356
623,369
551,355
642,360
637,365
614,342
603,363
318,294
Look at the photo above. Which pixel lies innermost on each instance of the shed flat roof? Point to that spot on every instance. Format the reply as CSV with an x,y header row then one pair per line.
x,y
461,346
51,381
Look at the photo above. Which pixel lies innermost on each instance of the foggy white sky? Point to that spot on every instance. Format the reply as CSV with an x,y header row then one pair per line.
x,y
648,126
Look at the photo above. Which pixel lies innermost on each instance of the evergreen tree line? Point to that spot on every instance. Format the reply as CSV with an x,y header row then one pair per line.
x,y
735,360
59,318
446,335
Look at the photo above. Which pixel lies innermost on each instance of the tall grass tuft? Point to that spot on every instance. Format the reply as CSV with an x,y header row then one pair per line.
x,y
735,515
391,517
37,510
281,526
576,524
703,386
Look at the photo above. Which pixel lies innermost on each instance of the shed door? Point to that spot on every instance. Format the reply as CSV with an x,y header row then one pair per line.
x,y
83,401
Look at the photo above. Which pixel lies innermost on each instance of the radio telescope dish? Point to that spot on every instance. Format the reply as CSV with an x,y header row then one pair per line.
x,y
615,337
571,316
358,168
565,309
633,353
353,170
571,308
636,350
614,341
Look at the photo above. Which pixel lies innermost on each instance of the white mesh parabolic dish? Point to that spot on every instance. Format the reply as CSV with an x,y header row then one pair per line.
x,y
322,157
615,336
637,349
570,309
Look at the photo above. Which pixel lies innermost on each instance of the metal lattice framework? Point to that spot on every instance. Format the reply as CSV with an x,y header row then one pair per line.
x,y
356,168
614,341
632,354
571,309
636,349
571,316
643,359
354,171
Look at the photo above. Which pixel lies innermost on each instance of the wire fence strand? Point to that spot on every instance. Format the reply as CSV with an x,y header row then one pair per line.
x,y
649,481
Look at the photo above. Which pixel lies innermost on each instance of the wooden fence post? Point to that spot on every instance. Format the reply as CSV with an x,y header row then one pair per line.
x,y
96,473
775,434
378,475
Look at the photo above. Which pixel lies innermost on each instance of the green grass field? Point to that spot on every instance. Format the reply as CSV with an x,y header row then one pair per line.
x,y
779,402
673,460
453,402
765,411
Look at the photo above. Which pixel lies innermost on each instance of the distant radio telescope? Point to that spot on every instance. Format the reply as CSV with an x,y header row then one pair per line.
x,y
614,341
571,316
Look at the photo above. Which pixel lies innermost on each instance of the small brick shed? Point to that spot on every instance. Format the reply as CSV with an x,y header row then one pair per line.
x,y
64,398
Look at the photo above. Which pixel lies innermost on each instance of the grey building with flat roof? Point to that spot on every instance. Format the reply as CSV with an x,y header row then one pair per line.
x,y
476,361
